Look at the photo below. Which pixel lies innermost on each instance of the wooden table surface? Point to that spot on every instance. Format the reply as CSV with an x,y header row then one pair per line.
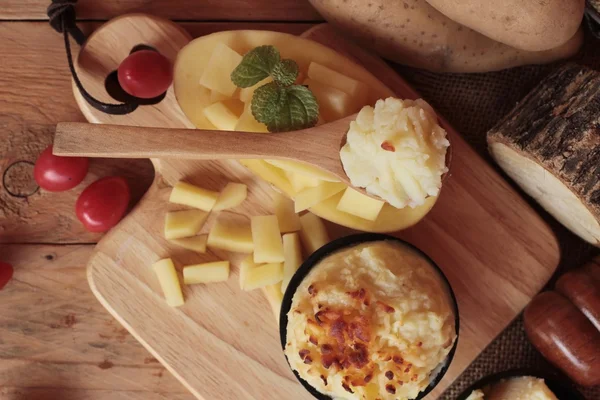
x,y
56,340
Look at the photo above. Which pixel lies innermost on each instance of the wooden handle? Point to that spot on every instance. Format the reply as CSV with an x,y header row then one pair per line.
x,y
122,141
564,336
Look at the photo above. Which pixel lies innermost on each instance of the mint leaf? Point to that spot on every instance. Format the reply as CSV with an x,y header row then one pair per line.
x,y
255,66
285,109
285,72
304,109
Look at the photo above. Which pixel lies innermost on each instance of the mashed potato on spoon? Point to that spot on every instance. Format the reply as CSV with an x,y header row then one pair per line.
x,y
396,151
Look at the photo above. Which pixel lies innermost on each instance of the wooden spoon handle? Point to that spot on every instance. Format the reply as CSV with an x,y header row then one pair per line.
x,y
121,141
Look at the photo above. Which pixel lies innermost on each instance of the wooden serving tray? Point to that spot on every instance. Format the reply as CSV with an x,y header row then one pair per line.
x,y
223,343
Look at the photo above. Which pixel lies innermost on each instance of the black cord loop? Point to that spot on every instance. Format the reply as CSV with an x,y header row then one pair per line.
x,y
61,14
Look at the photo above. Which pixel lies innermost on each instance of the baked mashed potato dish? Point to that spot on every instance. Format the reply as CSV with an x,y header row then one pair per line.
x,y
521,388
371,322
396,151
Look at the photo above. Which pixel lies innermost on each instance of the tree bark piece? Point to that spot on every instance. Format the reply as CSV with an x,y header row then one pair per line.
x,y
550,145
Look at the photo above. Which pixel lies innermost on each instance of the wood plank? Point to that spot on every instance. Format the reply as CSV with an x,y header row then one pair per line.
x,y
205,10
55,338
35,94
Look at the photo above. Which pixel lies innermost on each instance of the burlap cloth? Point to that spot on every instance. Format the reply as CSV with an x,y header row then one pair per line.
x,y
473,103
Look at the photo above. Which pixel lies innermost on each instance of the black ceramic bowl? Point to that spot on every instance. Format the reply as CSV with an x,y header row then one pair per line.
x,y
340,244
561,388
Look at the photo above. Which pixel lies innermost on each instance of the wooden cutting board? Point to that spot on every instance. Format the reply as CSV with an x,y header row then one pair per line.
x,y
223,343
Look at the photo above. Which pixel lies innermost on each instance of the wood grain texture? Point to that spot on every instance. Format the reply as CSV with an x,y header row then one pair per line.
x,y
318,146
35,94
557,126
206,10
496,252
57,341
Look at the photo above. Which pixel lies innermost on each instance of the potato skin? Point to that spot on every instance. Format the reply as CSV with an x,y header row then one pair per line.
x,y
412,32
527,25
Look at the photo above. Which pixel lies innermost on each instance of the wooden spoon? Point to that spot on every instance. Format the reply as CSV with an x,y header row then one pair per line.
x,y
318,146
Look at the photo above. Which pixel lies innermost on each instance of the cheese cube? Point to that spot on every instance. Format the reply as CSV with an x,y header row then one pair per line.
x,y
300,182
246,264
193,196
292,252
313,232
314,195
263,275
355,89
356,203
247,93
274,296
231,196
217,74
266,235
186,223
247,123
288,220
217,271
194,243
231,236
221,116
169,282
333,103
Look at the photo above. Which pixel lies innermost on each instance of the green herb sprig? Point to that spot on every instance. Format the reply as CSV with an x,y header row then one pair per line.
x,y
281,105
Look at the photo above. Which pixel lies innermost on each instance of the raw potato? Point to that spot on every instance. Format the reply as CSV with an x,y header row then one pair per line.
x,y
266,235
390,219
527,25
355,203
193,196
169,282
355,89
263,275
231,196
194,243
274,296
231,236
412,32
217,271
182,224
247,123
304,169
288,220
313,233
220,116
314,195
333,103
217,74
246,264
300,182
293,258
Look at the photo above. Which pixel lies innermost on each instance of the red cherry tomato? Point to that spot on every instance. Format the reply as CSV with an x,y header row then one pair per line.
x,y
6,273
145,74
102,204
57,174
